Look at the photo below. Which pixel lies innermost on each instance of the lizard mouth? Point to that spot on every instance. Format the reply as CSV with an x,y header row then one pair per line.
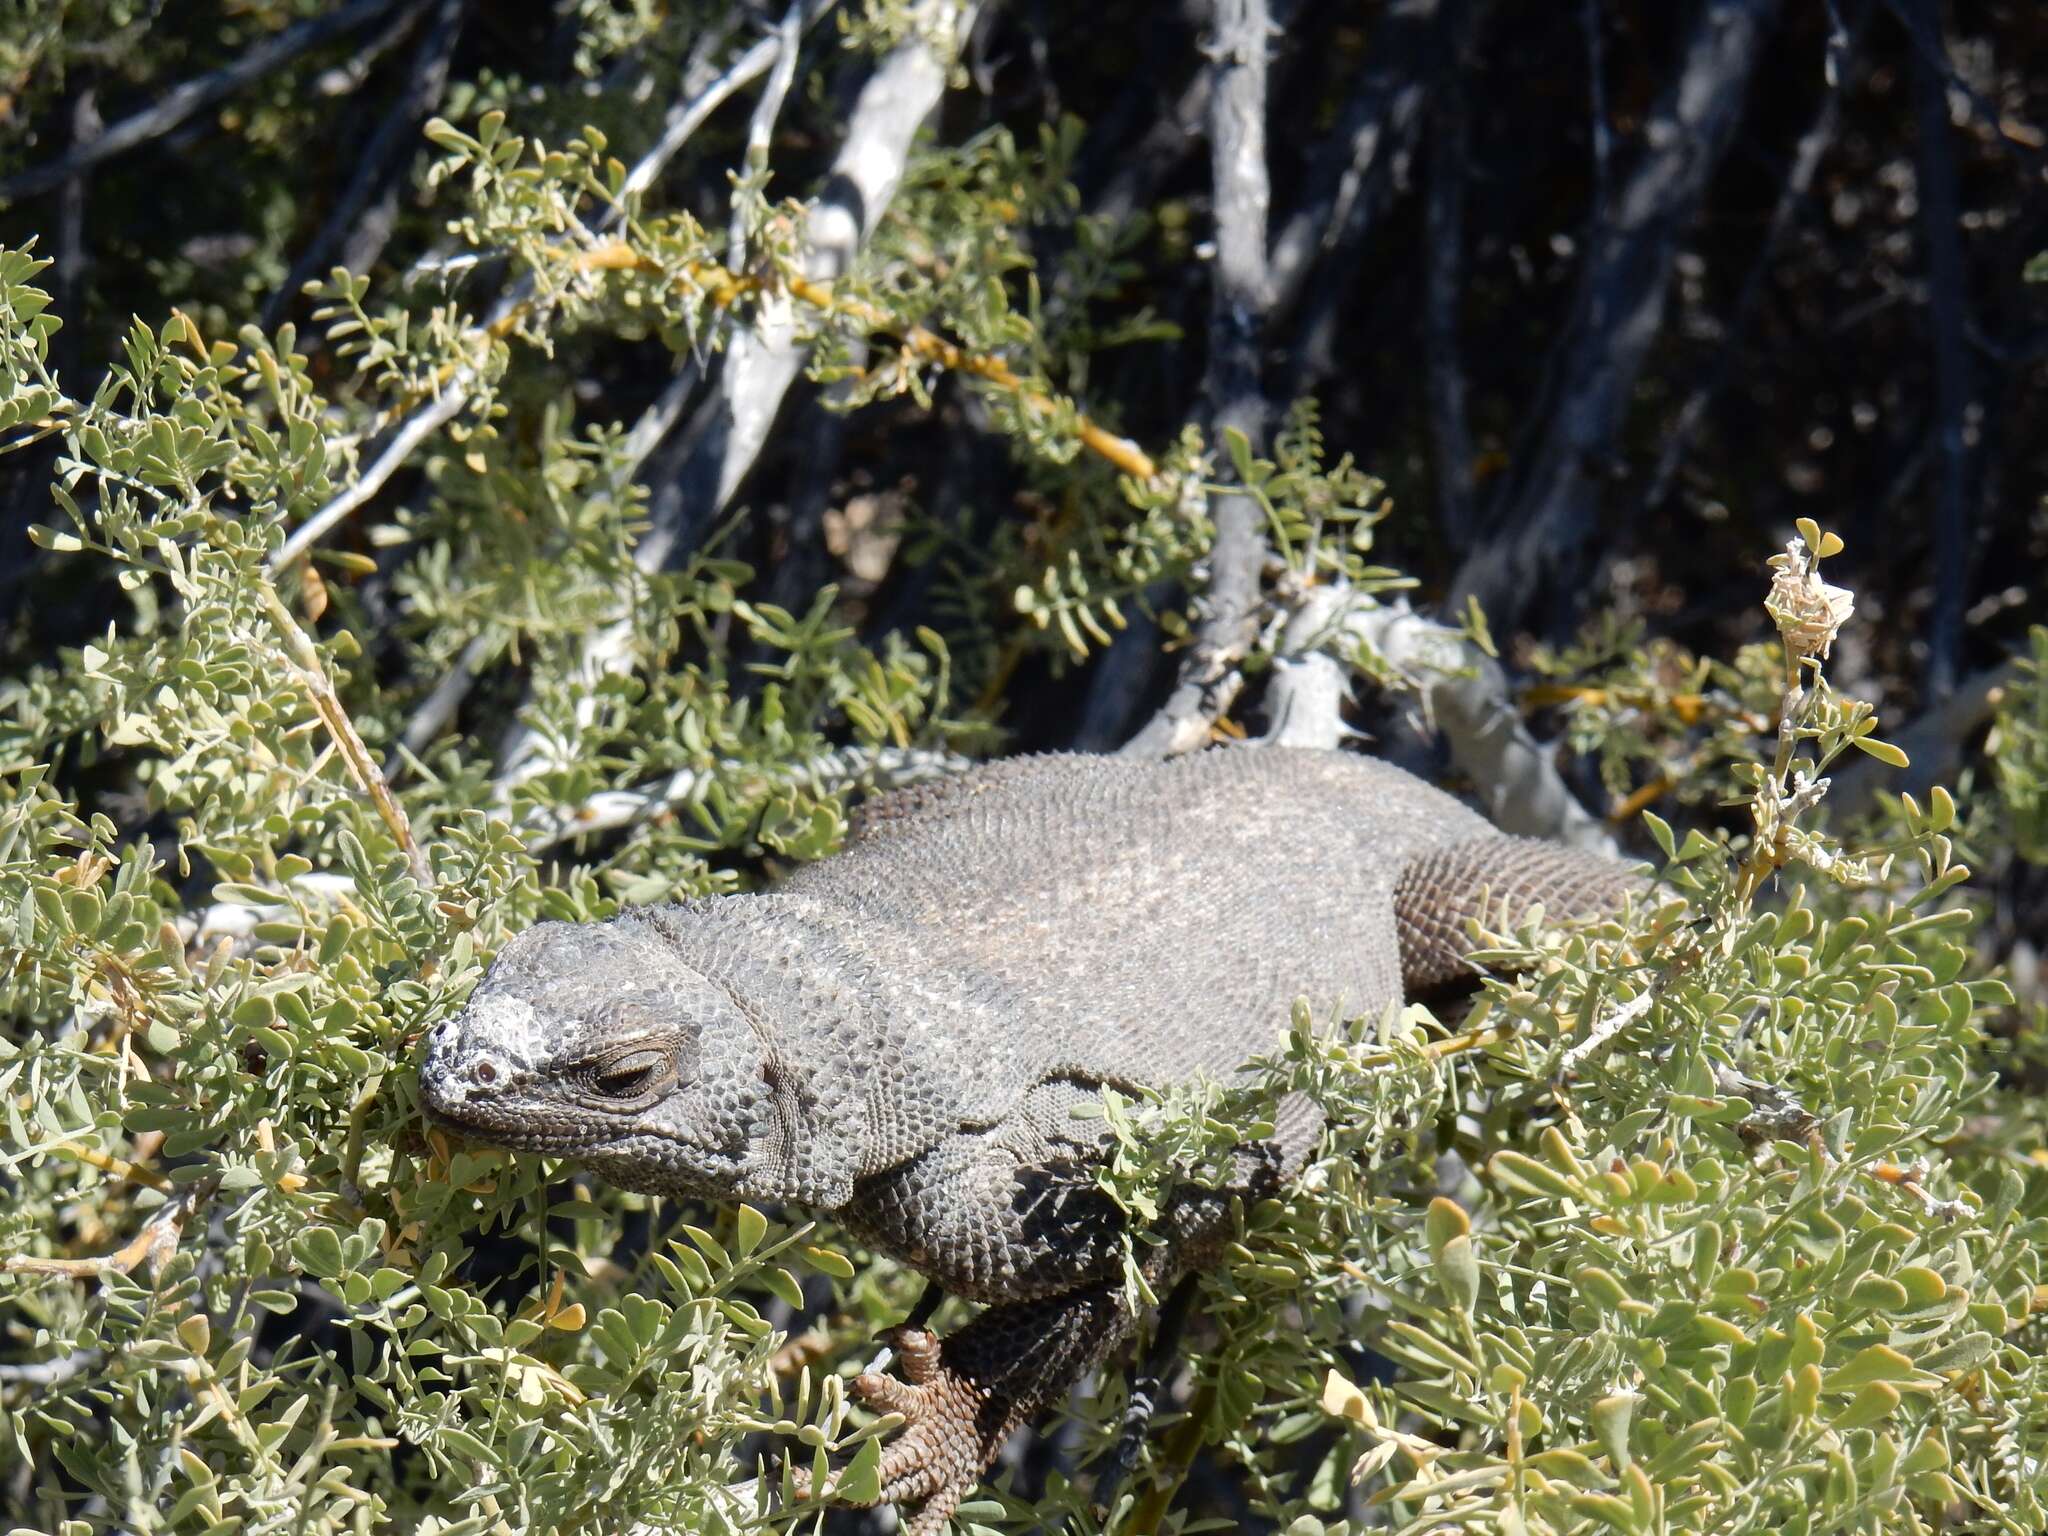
x,y
522,1128
498,1114
631,1157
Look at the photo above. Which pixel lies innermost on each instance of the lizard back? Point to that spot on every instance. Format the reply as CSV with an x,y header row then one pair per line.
x,y
1132,922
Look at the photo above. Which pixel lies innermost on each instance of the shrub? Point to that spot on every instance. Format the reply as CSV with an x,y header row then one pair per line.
x,y
1713,1216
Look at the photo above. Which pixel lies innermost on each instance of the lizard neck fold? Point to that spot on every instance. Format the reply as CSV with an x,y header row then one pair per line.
x,y
827,1042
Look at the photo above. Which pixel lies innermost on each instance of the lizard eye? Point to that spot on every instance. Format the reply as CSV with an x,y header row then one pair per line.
x,y
631,1075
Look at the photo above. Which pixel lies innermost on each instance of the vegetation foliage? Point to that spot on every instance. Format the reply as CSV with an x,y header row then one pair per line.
x,y
1728,1213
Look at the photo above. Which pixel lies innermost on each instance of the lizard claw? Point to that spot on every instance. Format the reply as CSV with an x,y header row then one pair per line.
x,y
953,1428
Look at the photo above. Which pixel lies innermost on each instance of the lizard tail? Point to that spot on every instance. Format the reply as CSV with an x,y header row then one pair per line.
x,y
1496,878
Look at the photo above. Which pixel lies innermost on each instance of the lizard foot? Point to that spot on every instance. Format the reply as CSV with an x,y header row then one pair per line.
x,y
960,1398
954,1426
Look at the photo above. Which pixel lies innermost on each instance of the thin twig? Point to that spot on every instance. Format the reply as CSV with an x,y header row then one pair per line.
x,y
181,101
1241,296
153,1245
422,424
452,393
382,161
1806,159
351,73
303,659
439,707
1544,517
885,767
761,126
107,1163
1411,41
46,1374
1605,1028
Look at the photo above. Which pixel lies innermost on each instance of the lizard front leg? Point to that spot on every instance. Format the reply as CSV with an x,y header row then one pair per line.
x,y
1009,1216
962,1396
1005,1215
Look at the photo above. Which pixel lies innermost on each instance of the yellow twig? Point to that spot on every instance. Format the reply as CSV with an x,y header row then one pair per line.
x,y
304,661
725,287
1453,1045
106,1162
154,1244
1642,799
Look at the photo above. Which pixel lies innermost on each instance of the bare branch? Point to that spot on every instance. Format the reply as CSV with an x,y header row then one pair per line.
x,y
1240,299
1545,515
1141,167
1414,47
1957,408
1347,179
1443,291
1463,693
648,433
303,660
1806,159
46,1374
423,420
419,425
381,164
439,707
762,360
348,75
838,768
181,101
761,126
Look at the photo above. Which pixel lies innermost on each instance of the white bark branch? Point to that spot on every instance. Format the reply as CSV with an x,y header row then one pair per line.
x,y
762,360
1463,693
182,100
430,416
834,769
1241,295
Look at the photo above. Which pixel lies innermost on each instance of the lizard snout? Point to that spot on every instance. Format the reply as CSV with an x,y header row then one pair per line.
x,y
477,1059
453,1081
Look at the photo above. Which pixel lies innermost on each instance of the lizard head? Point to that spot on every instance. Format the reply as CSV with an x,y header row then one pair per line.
x,y
600,1042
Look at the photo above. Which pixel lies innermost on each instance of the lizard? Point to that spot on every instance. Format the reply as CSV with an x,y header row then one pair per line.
x,y
900,1035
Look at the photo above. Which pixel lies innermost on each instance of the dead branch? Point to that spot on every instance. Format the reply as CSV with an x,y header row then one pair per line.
x,y
1463,693
1806,161
1957,407
1240,299
379,169
1545,516
425,418
182,100
837,768
763,359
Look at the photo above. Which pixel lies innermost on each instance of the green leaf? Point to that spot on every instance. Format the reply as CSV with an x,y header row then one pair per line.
x,y
1457,1271
318,1251
1883,751
827,1262
1873,1402
861,1482
1525,1175
1878,1291
750,1226
1875,1363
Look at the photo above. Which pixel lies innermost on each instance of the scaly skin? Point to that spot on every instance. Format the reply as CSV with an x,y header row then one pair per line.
x,y
899,1035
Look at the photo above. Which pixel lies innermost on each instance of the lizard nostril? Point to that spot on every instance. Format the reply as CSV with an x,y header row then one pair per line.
x,y
485,1073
